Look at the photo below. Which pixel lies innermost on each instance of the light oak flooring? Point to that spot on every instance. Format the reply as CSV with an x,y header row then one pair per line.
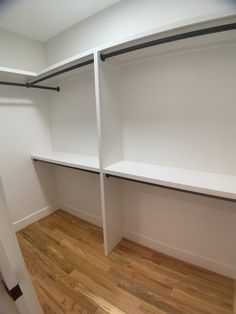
x,y
64,256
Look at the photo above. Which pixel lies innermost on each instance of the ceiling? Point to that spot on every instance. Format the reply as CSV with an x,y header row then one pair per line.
x,y
43,19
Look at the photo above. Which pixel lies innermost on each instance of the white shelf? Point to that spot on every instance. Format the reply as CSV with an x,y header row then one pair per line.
x,y
9,74
65,64
84,162
15,75
204,21
190,180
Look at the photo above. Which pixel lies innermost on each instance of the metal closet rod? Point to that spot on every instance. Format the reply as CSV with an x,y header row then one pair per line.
x,y
71,68
64,166
32,84
172,188
28,85
192,34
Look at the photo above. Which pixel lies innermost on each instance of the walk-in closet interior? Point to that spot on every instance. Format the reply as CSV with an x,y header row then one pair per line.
x,y
117,161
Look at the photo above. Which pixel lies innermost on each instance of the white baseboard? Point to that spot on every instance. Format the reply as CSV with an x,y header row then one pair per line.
x,y
24,222
188,257
80,213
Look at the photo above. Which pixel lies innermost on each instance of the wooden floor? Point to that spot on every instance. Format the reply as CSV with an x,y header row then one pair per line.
x,y
64,256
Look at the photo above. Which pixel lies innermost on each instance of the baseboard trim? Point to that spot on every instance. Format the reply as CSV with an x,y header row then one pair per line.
x,y
194,259
26,221
80,213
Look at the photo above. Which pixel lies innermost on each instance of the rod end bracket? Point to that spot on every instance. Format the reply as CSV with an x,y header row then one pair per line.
x,y
102,56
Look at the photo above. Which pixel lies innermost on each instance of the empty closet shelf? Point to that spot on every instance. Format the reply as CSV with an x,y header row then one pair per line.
x,y
81,162
213,184
9,74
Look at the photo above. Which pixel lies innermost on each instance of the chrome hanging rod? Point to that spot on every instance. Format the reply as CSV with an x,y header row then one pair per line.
x,y
192,34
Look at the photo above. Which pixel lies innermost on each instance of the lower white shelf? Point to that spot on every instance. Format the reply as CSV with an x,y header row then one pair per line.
x,y
189,180
83,162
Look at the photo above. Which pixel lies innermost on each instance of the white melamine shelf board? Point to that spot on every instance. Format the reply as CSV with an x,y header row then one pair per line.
x,y
200,22
14,75
205,42
84,162
77,59
59,79
208,183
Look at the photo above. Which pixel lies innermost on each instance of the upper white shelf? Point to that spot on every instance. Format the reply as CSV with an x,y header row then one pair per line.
x,y
79,58
9,74
83,162
166,30
21,76
190,180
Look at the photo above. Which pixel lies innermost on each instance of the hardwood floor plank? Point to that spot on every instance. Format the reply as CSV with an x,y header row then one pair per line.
x,y
65,259
111,292
179,271
48,276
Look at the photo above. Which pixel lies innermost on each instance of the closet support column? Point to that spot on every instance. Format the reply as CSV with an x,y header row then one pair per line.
x,y
97,79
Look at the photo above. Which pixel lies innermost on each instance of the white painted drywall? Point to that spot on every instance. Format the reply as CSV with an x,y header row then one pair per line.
x,y
21,52
179,109
24,128
31,18
73,116
79,193
127,18
197,229
74,130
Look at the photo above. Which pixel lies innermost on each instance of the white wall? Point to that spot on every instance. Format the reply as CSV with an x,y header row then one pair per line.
x,y
180,108
79,193
24,127
20,52
74,130
197,229
73,116
127,18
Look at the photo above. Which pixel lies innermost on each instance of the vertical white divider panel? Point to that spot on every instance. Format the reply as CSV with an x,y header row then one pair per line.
x,y
108,93
99,126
